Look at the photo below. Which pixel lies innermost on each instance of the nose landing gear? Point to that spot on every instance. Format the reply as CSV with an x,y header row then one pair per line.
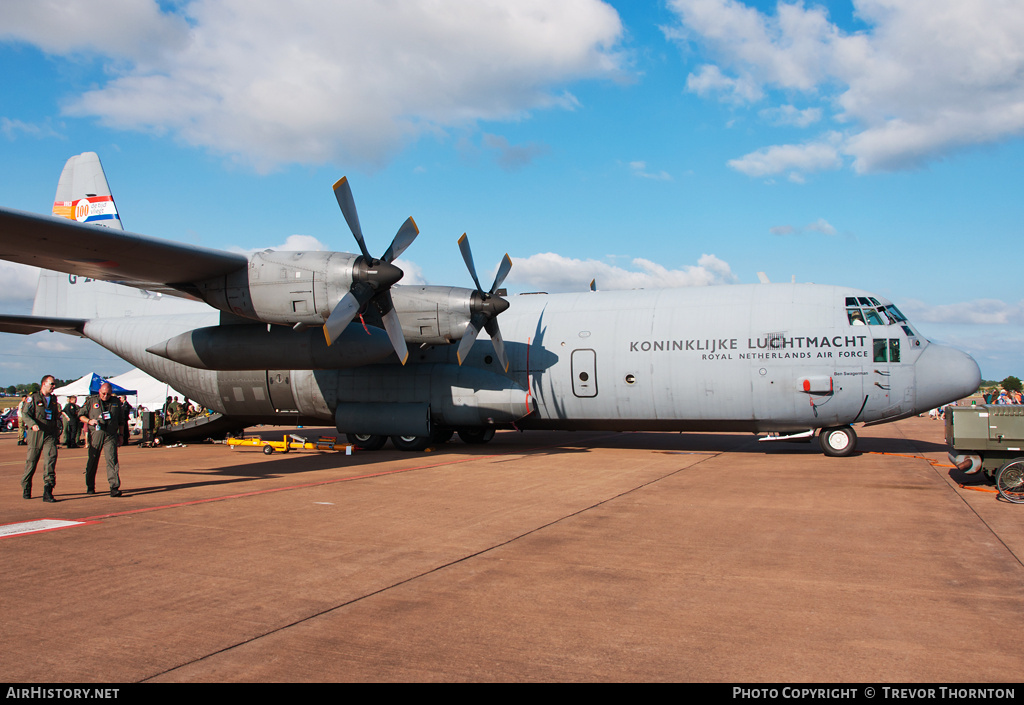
x,y
837,441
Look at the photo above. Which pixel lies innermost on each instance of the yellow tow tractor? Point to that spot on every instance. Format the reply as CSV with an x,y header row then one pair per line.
x,y
323,443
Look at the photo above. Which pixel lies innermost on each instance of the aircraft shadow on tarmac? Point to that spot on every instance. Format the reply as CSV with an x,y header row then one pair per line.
x,y
533,444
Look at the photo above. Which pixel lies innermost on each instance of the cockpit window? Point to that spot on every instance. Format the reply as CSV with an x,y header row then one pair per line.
x,y
864,316
895,313
886,350
881,351
867,310
894,349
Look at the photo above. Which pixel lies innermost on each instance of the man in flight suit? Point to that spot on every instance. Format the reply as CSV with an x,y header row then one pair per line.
x,y
102,415
73,426
42,421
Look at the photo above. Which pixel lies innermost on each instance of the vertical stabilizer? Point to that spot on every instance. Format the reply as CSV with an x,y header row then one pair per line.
x,y
83,193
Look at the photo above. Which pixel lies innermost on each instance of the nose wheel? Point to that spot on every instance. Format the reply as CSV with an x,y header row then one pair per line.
x,y
837,441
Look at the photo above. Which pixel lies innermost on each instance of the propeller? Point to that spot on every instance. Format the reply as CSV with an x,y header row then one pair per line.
x,y
371,278
484,307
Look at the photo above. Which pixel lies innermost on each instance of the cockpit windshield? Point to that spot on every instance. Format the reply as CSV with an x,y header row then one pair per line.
x,y
868,311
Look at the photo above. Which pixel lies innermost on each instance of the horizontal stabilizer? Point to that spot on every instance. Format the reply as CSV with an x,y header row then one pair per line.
x,y
26,325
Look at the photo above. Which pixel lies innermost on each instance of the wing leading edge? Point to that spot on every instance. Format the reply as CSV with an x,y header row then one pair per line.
x,y
26,325
85,250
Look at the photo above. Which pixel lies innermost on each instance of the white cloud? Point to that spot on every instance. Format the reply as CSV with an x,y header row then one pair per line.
x,y
926,78
819,226
976,312
19,282
640,170
134,29
553,273
54,345
314,82
293,243
710,79
790,115
810,156
12,128
822,226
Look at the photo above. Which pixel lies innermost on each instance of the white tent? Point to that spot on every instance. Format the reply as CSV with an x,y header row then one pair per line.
x,y
152,393
79,388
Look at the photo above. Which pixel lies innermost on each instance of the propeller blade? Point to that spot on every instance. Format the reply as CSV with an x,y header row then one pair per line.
x,y
498,342
341,316
469,337
392,325
467,256
343,192
503,269
406,234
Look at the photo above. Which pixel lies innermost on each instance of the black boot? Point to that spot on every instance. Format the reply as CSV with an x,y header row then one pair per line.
x,y
26,493
115,493
48,494
90,490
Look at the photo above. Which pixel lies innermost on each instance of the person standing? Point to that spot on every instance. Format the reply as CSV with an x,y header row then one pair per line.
x,y
126,420
102,415
42,420
73,426
21,420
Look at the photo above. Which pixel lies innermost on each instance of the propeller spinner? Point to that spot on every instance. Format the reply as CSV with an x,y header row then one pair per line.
x,y
371,278
484,308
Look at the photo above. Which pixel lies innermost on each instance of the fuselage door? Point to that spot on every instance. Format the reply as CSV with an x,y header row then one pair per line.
x,y
584,373
279,385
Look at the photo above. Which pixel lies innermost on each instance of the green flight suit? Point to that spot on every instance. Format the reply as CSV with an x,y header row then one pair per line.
x,y
44,413
103,439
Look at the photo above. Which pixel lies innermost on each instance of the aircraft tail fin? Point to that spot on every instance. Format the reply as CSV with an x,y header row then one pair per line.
x,y
83,193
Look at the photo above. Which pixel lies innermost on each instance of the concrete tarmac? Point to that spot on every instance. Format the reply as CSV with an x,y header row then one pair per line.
x,y
543,556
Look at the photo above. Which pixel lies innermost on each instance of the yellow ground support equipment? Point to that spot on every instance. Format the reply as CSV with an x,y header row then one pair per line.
x,y
289,443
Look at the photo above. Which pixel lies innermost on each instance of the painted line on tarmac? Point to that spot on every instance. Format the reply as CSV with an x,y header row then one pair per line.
x,y
38,526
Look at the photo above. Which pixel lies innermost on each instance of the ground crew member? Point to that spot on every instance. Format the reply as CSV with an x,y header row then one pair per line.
x,y
21,420
71,430
102,415
42,419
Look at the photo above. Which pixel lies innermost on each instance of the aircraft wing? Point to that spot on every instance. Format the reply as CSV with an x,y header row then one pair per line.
x,y
26,325
109,254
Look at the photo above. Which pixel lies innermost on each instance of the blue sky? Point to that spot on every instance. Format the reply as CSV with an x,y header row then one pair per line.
x,y
874,143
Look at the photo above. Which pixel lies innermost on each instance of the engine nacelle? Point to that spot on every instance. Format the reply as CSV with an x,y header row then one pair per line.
x,y
251,346
433,315
283,287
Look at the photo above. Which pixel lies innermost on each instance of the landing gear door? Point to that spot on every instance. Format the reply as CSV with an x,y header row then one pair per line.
x,y
584,373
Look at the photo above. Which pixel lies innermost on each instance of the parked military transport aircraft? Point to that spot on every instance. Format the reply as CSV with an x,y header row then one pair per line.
x,y
306,337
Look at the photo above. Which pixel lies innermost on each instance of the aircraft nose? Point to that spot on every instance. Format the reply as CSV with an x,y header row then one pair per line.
x,y
944,374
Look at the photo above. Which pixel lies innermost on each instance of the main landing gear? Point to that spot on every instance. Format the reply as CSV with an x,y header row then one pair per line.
x,y
837,441
472,436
